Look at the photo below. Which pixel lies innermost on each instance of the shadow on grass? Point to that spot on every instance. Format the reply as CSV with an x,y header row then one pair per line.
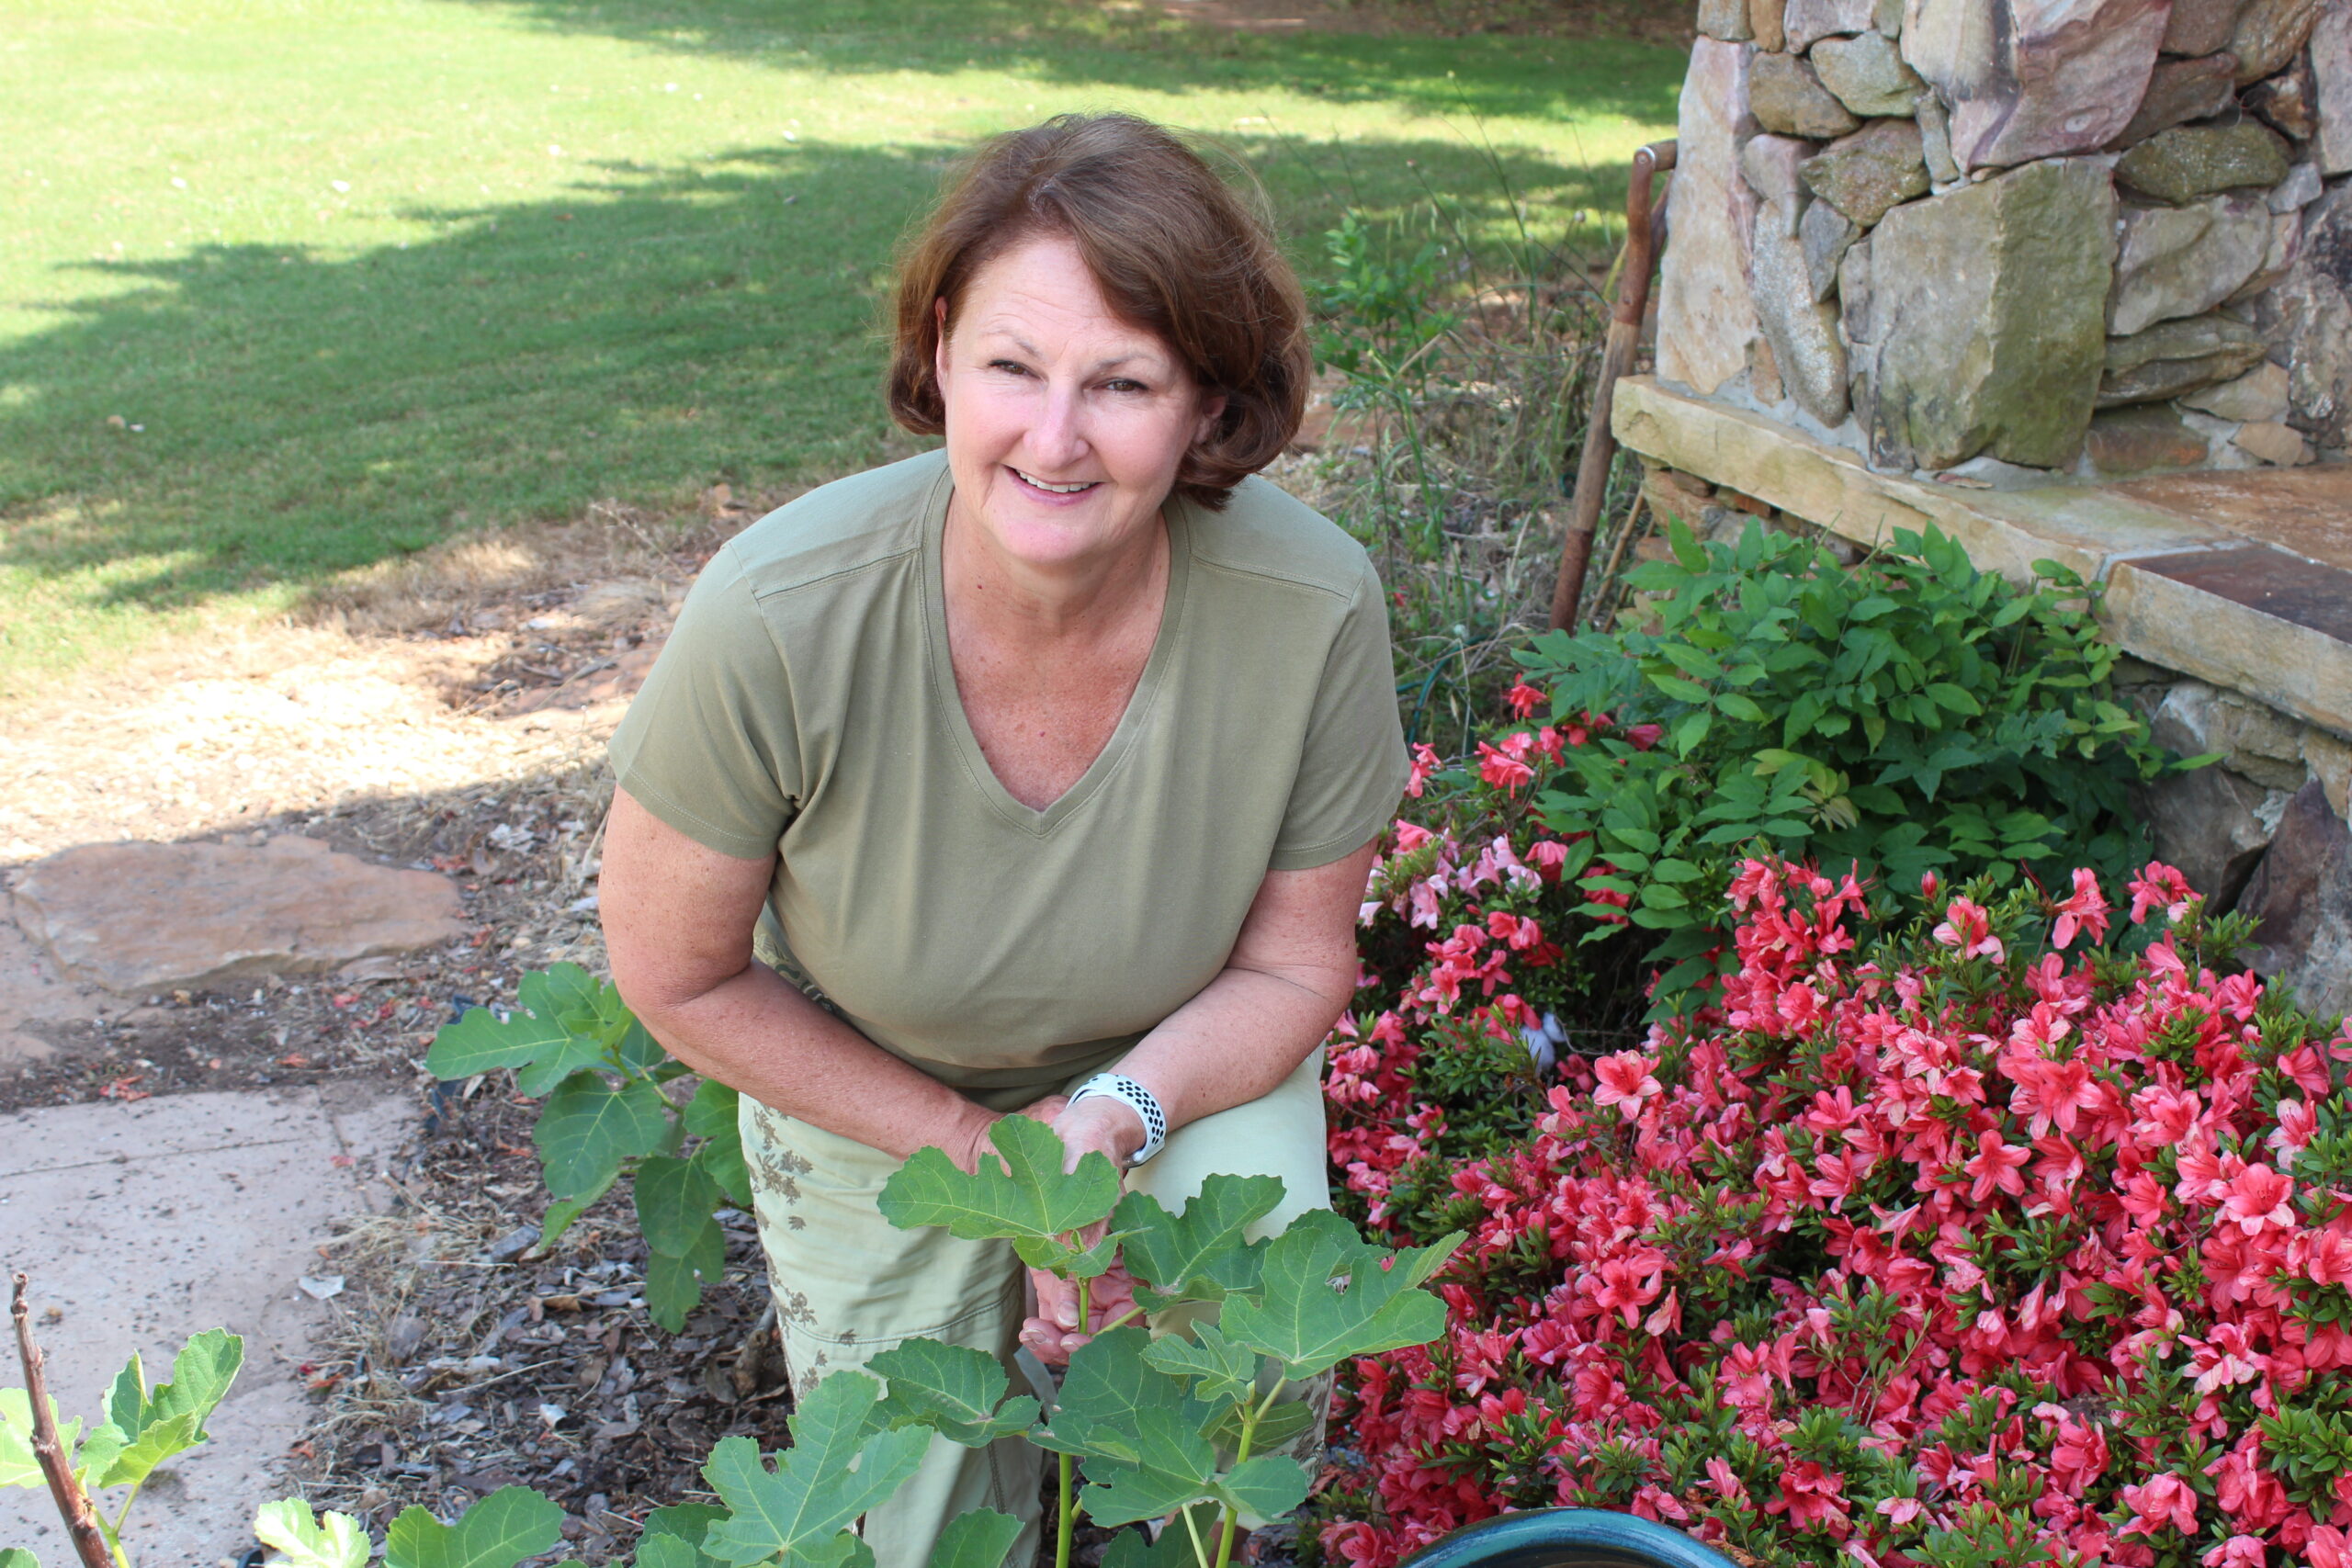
x,y
655,332
1085,44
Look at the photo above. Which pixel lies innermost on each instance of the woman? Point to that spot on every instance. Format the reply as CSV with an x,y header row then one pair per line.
x,y
1057,750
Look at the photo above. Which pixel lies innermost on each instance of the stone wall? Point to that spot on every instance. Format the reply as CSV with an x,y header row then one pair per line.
x,y
2265,829
2020,238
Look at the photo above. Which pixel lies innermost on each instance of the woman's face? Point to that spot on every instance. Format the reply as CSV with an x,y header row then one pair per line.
x,y
1065,424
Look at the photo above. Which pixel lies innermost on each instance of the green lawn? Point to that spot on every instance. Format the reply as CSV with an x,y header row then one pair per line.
x,y
366,272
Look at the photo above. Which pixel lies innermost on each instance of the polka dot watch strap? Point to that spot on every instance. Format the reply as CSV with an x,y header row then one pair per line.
x,y
1112,1085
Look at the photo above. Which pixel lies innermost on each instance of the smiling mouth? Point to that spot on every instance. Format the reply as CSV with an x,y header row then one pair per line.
x,y
1051,489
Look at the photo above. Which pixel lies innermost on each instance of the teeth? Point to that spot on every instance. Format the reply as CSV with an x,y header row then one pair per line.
x,y
1055,489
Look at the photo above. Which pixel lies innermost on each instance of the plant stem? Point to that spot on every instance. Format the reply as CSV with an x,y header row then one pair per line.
x,y
1066,1516
73,1503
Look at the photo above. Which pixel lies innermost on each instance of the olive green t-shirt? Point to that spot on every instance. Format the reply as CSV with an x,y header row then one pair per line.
x,y
804,706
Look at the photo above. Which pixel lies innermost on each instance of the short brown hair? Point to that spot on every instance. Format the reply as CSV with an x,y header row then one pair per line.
x,y
1174,250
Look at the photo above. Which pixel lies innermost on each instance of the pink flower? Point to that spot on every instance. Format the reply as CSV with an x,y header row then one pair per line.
x,y
1968,928
1995,1166
1501,770
2085,910
2160,884
1425,762
1626,1082
1523,699
2163,1500
2256,1199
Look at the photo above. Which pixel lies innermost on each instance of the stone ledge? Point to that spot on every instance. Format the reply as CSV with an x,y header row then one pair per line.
x,y
2241,580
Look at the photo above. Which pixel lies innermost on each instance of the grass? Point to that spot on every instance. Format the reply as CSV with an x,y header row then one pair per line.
x,y
291,287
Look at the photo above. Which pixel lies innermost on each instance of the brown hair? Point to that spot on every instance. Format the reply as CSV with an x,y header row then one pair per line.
x,y
1174,250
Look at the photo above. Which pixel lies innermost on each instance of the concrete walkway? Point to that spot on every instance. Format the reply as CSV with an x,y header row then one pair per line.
x,y
143,1223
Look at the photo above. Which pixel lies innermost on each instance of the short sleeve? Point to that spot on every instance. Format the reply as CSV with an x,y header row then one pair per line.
x,y
1354,768
709,745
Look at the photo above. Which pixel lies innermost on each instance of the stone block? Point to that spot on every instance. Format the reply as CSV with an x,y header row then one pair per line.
x,y
2306,317
2289,100
1725,19
1935,142
2329,761
2180,91
1865,174
2187,162
1802,333
1867,75
2301,894
1769,164
1807,22
2026,82
2281,445
2301,186
2201,27
2332,89
2254,740
2268,34
2259,394
1706,318
1822,234
2206,822
136,917
2285,249
2140,440
1983,329
1787,97
2183,261
1764,25
2177,357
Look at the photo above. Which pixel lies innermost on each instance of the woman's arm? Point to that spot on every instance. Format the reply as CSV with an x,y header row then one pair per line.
x,y
678,919
1291,973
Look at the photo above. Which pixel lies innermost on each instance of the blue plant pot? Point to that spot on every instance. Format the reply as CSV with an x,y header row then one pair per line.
x,y
1565,1537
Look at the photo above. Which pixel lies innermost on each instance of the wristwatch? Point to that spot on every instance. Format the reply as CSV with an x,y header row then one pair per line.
x,y
1114,1086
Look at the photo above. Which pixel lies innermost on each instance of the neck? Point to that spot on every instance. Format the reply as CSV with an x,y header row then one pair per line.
x,y
1063,601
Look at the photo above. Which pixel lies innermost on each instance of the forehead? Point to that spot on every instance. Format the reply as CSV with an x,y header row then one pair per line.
x,y
1040,294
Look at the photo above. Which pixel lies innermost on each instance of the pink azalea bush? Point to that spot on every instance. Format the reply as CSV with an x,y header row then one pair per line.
x,y
2020,1232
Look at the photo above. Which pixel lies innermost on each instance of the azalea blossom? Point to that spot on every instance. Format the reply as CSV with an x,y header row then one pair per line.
x,y
1628,1079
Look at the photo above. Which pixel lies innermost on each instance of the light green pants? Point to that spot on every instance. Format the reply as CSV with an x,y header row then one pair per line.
x,y
849,1286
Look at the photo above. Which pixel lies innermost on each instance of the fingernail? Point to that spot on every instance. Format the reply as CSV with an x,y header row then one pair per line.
x,y
1067,1316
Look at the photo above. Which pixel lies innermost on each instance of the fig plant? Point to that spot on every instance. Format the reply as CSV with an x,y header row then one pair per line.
x,y
1181,1425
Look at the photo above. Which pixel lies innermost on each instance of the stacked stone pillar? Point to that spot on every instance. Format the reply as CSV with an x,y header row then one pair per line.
x,y
2020,238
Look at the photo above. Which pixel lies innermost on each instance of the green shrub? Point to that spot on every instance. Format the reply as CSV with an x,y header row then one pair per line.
x,y
1909,716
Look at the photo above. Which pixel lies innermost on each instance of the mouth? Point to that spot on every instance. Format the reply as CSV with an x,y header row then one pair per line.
x,y
1047,486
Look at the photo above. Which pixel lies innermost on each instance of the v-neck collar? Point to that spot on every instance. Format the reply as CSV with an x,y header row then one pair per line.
x,y
951,698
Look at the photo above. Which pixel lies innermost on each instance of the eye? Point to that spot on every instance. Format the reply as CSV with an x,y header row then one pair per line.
x,y
1012,367
1125,384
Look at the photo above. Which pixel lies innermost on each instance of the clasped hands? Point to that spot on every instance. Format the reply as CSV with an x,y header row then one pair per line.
x,y
1099,1125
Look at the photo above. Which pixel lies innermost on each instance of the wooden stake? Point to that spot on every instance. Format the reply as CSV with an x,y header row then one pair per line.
x,y
73,1503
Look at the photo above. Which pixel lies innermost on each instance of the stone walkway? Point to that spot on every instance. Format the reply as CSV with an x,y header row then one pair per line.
x,y
140,1225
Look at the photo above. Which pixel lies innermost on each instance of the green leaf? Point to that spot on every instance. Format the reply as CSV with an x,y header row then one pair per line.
x,y
170,1420
1278,1425
1025,1198
1133,1548
674,1285
126,1398
17,1557
711,1115
1745,709
564,1211
479,1042
1692,729
500,1531
1671,870
954,1390
158,1442
587,1128
1199,1255
688,1522
1106,1391
330,1541
837,1468
1326,1297
1677,688
1264,1488
1685,545
977,1539
1220,1370
674,1200
669,1551
1948,695
1691,661
19,1466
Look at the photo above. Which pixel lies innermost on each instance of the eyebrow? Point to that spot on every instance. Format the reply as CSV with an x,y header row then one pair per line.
x,y
1025,346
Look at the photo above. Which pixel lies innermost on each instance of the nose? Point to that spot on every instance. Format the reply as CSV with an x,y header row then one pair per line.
x,y
1056,439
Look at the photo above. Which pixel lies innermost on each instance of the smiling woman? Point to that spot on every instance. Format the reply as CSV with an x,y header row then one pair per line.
x,y
1035,774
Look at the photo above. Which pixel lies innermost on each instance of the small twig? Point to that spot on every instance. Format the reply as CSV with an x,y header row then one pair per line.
x,y
73,1503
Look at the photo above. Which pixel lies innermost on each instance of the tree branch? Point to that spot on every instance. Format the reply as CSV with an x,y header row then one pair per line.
x,y
73,1503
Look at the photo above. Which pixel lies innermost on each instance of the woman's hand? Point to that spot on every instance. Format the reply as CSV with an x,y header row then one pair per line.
x,y
1111,1129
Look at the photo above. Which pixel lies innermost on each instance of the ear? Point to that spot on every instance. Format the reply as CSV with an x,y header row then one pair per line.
x,y
1212,410
939,341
